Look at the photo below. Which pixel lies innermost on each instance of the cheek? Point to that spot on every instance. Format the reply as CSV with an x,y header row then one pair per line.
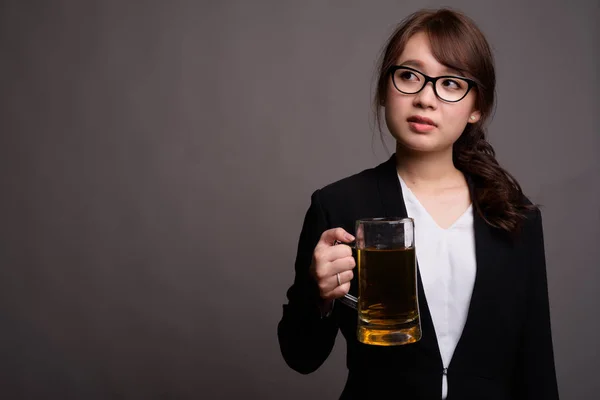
x,y
454,124
396,104
464,109
456,116
395,113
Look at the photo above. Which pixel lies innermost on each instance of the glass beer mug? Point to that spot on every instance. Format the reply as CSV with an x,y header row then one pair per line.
x,y
388,309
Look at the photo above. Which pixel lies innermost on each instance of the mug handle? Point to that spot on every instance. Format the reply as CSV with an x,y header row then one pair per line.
x,y
348,299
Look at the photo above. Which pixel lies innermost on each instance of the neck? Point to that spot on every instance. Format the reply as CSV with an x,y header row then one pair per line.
x,y
430,169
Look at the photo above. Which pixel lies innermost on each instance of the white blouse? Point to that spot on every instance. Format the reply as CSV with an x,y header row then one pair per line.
x,y
447,265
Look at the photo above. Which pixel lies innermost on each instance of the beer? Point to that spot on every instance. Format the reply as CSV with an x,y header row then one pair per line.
x,y
388,312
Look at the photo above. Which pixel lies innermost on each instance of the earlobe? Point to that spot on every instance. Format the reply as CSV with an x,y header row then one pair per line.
x,y
474,117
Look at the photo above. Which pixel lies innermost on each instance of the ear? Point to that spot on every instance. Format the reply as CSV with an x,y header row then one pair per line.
x,y
474,117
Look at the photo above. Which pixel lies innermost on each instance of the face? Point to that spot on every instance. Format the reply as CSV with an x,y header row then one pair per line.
x,y
449,119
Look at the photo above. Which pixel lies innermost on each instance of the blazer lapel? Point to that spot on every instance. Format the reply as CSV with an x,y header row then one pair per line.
x,y
491,250
393,205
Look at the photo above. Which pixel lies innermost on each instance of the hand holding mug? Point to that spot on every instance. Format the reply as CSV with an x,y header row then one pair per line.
x,y
332,265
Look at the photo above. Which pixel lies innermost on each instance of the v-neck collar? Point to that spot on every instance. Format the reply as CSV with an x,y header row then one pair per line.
x,y
489,250
412,198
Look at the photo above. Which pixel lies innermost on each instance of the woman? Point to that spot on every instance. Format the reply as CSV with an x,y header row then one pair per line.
x,y
483,294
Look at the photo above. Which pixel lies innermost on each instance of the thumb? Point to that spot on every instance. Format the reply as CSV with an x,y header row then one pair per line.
x,y
330,236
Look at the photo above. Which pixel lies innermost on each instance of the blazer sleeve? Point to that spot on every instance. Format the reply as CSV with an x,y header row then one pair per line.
x,y
536,376
305,337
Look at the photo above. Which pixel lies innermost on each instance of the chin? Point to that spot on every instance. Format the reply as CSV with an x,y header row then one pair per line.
x,y
418,142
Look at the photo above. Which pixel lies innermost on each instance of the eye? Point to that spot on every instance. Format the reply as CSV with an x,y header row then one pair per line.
x,y
408,76
453,84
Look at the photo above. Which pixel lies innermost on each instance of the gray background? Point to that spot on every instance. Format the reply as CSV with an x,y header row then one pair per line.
x,y
157,158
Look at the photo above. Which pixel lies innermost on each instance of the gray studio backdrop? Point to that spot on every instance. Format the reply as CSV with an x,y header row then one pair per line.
x,y
156,162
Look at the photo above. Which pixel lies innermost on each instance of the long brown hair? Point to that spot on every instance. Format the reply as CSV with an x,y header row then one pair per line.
x,y
457,42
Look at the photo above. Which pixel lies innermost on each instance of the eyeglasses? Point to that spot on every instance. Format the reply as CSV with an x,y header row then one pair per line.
x,y
447,88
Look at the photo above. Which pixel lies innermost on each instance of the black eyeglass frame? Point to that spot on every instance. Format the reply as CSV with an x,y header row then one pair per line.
x,y
470,82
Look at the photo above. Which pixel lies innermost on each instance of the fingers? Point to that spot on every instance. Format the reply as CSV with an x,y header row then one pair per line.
x,y
323,269
342,264
332,253
329,237
338,292
330,289
329,260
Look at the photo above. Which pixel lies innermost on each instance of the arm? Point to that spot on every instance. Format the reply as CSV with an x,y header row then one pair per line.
x,y
305,338
536,376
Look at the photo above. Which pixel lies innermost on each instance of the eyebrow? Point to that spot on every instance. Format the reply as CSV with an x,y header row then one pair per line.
x,y
419,65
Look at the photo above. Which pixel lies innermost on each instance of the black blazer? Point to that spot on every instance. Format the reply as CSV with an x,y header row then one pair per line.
x,y
505,351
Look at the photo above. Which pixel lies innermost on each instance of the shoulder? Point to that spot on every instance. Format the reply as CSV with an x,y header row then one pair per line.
x,y
342,201
531,212
350,184
531,229
363,182
357,182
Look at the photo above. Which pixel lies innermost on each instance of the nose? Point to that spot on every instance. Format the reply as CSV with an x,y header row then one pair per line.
x,y
426,98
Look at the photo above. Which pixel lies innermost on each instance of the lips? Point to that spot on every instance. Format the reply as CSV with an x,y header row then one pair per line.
x,y
421,120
